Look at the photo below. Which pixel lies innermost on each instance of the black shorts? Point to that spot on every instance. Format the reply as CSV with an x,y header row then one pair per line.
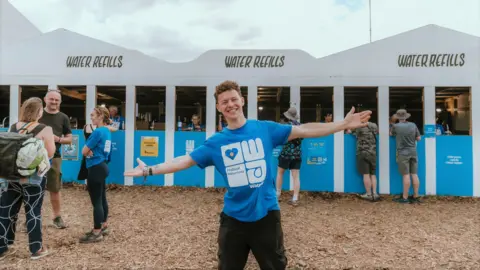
x,y
264,238
289,164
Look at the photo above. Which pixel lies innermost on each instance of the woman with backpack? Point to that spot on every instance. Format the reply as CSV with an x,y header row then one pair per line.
x,y
97,151
30,190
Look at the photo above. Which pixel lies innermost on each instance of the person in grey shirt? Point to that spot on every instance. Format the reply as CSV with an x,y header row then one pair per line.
x,y
407,135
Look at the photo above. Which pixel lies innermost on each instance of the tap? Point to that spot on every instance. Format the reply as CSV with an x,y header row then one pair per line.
x,y
3,122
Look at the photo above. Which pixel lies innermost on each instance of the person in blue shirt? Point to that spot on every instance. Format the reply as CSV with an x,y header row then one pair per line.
x,y
118,122
97,151
241,153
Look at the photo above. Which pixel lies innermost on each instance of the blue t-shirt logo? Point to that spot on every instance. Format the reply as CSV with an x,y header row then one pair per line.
x,y
246,168
242,156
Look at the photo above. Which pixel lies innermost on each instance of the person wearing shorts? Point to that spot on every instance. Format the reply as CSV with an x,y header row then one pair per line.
x,y
290,158
60,124
241,153
407,135
366,154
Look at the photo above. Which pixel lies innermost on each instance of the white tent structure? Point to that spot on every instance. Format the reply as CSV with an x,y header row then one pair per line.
x,y
427,57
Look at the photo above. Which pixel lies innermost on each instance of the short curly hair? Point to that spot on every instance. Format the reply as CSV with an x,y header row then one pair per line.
x,y
226,86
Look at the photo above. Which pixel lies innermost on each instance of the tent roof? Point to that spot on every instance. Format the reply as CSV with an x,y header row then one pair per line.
x,y
14,27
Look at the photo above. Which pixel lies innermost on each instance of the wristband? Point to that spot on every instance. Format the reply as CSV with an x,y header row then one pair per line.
x,y
145,173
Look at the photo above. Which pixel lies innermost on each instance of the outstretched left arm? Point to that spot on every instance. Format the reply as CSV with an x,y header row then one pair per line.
x,y
313,130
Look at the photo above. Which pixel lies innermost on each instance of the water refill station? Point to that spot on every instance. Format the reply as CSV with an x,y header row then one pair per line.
x,y
431,71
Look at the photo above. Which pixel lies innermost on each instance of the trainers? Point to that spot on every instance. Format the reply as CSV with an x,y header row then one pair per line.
x,y
415,199
91,237
376,197
7,253
293,202
401,200
40,254
366,196
58,223
105,231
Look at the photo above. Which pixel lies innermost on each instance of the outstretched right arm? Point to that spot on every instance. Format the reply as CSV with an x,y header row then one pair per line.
x,y
174,165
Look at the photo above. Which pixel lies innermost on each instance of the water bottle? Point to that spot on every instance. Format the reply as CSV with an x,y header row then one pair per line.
x,y
179,124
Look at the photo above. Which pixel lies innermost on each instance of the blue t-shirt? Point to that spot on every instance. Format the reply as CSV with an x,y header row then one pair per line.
x,y
242,156
100,142
117,122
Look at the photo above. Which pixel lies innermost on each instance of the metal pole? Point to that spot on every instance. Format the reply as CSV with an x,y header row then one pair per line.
x,y
370,17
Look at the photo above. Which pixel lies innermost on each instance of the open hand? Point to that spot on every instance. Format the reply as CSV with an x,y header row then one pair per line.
x,y
137,171
356,120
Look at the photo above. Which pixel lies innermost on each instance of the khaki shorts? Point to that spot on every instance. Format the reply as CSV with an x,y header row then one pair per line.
x,y
366,164
54,175
407,164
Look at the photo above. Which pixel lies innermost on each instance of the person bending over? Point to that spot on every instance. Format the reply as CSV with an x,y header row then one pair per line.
x,y
241,152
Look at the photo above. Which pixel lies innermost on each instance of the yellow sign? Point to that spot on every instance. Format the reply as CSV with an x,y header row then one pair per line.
x,y
149,147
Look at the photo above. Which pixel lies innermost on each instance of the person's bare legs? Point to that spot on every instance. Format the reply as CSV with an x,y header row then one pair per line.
x,y
406,186
55,200
280,172
416,185
373,179
296,184
367,183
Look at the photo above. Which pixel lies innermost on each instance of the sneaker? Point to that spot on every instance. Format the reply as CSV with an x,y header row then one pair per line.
x,y
91,237
7,253
105,231
401,200
415,200
376,197
293,202
58,223
366,196
40,254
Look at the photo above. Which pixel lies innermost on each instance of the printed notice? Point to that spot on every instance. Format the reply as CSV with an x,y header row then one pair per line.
x,y
70,151
454,160
149,147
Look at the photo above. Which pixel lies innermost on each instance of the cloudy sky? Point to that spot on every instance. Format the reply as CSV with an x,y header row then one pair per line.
x,y
181,30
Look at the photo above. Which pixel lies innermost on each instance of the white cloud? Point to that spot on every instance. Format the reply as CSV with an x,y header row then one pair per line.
x,y
180,30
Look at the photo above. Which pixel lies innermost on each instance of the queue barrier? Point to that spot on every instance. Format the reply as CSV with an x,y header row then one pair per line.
x,y
454,165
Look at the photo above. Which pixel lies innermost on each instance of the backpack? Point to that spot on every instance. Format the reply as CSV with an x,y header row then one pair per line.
x,y
20,152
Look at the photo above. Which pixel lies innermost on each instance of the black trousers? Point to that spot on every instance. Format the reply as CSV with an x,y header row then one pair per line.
x,y
263,237
10,204
97,176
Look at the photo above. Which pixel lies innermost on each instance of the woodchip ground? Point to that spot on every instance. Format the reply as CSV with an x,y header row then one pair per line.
x,y
176,228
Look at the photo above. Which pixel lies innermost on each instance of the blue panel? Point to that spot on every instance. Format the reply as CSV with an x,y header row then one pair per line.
x,y
317,177
70,168
353,179
454,165
193,176
396,185
155,180
3,129
117,162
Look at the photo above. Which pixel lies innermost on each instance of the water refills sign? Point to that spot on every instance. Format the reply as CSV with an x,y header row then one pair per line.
x,y
258,61
432,60
94,61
